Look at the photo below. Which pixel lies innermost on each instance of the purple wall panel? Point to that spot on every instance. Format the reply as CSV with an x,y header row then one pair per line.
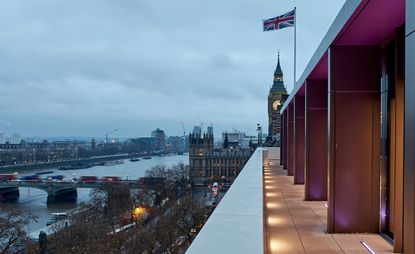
x,y
353,162
316,140
282,140
290,140
285,140
354,136
299,133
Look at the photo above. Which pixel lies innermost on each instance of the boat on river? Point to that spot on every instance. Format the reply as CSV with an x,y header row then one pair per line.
x,y
44,172
75,166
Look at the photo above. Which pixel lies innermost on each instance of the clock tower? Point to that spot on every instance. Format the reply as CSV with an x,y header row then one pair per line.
x,y
276,98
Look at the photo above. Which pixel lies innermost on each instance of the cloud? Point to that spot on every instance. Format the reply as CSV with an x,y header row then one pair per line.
x,y
80,67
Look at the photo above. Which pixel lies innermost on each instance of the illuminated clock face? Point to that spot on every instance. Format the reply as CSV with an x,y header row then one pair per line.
x,y
276,104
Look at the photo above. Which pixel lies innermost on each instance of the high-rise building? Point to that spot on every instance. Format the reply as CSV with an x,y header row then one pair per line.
x,y
2,138
276,98
197,130
15,139
160,137
210,130
93,144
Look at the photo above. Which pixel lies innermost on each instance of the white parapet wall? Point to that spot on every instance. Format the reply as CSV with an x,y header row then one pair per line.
x,y
236,225
273,153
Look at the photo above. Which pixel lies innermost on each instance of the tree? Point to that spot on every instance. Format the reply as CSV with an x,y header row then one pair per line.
x,y
13,225
189,218
111,200
164,228
176,180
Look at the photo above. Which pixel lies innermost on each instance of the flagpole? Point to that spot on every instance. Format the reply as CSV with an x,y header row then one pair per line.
x,y
295,44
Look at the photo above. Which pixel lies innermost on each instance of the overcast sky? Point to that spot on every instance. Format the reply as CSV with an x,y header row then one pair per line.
x,y
84,67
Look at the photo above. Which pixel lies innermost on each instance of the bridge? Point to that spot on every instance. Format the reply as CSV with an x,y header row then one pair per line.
x,y
57,191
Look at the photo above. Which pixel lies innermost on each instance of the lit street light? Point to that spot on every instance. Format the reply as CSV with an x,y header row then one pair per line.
x,y
139,213
259,130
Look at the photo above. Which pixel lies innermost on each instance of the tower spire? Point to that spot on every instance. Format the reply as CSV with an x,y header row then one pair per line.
x,y
278,84
226,141
278,70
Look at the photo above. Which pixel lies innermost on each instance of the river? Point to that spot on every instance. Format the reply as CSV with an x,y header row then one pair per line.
x,y
34,200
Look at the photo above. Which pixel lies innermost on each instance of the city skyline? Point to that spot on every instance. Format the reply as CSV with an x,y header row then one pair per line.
x,y
65,75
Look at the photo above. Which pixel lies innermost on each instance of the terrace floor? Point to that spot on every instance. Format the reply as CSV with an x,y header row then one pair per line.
x,y
297,226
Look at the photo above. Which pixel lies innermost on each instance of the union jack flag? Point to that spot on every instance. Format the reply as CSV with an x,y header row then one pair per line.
x,y
280,22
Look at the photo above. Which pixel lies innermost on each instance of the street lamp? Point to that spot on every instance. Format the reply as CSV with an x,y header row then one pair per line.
x,y
259,130
139,213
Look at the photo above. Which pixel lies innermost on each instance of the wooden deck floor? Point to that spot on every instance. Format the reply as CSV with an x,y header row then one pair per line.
x,y
297,226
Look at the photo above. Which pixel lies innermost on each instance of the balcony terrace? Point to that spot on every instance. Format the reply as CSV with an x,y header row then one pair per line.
x,y
264,212
346,179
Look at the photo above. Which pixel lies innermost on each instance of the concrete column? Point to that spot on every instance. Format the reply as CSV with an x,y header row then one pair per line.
x,y
285,138
299,133
354,139
409,136
316,140
290,140
281,141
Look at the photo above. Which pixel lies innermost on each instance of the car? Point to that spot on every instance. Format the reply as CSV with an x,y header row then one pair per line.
x,y
113,179
88,179
7,177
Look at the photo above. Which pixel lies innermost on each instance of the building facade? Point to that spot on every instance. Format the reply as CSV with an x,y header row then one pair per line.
x,y
207,163
276,98
40,152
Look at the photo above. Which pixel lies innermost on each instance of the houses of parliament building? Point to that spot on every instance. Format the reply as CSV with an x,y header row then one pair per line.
x,y
210,163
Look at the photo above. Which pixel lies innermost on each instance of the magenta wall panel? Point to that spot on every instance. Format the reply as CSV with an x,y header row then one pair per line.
x,y
354,136
316,140
285,139
290,140
299,133
282,140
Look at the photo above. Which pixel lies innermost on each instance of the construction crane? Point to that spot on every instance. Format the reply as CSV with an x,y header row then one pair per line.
x,y
184,131
108,133
184,137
